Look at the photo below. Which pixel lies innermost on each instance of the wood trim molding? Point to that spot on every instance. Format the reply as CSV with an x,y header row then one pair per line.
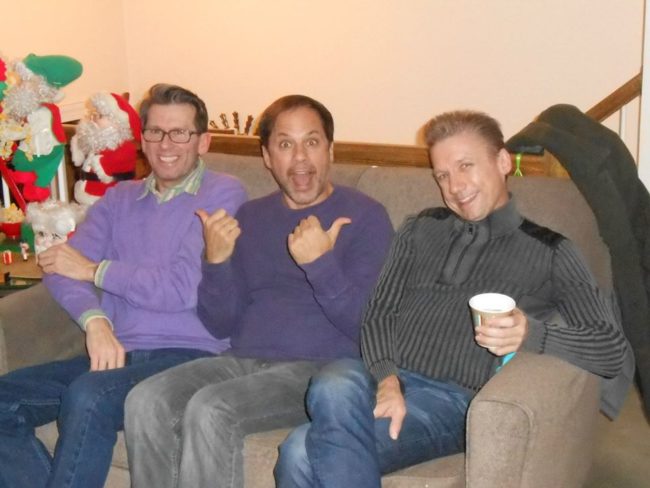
x,y
371,154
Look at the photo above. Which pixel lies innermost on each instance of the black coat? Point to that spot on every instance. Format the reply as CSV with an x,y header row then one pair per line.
x,y
605,173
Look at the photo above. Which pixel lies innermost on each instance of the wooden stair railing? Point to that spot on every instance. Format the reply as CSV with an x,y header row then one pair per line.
x,y
617,99
547,164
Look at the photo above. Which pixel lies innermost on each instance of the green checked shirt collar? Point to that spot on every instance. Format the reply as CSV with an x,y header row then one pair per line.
x,y
190,184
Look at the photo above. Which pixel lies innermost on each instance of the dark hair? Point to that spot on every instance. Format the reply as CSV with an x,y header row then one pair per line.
x,y
451,123
290,102
165,94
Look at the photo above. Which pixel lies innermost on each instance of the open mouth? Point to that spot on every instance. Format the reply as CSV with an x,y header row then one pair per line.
x,y
302,178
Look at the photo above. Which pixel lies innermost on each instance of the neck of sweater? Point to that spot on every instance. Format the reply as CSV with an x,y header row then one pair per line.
x,y
469,238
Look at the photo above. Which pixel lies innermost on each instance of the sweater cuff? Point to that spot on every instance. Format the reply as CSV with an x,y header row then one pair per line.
x,y
383,369
325,276
88,315
536,340
214,273
100,273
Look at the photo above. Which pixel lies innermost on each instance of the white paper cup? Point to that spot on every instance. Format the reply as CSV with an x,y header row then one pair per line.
x,y
488,305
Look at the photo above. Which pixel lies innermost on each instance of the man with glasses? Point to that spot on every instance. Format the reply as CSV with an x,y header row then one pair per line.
x,y
141,245
287,279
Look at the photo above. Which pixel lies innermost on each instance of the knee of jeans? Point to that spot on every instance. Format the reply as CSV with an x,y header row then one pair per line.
x,y
205,410
293,461
339,383
146,404
84,393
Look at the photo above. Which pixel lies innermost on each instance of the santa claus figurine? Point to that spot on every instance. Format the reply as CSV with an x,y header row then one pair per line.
x,y
53,222
104,146
29,115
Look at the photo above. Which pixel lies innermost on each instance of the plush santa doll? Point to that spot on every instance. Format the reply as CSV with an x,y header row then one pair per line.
x,y
29,102
104,146
53,222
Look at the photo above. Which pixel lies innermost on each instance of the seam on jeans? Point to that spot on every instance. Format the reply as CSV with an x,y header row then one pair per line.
x,y
176,453
36,403
264,368
237,425
86,422
47,461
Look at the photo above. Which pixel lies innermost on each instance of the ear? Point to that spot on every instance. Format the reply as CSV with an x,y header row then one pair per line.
x,y
266,157
504,162
331,150
204,143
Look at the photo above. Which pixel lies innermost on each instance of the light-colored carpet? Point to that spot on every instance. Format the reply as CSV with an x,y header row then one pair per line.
x,y
622,457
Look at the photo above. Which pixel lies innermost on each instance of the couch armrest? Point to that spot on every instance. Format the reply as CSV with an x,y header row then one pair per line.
x,y
34,329
533,425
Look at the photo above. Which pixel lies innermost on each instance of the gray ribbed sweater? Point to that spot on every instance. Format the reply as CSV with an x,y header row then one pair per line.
x,y
418,318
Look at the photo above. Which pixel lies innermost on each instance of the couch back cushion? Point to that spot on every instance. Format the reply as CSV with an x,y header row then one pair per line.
x,y
552,202
259,181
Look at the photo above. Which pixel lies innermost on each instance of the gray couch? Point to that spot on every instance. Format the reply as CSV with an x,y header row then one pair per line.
x,y
532,425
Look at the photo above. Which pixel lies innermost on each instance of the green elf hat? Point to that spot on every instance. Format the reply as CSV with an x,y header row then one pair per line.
x,y
57,70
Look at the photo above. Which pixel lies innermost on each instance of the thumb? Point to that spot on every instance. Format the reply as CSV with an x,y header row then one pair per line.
x,y
202,214
333,232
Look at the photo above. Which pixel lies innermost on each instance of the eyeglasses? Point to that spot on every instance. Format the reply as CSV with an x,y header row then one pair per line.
x,y
178,136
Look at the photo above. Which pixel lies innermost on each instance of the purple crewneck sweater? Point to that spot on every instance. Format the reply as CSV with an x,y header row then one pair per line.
x,y
155,249
273,308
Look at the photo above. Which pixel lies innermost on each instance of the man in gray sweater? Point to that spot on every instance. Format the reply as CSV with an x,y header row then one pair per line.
x,y
406,402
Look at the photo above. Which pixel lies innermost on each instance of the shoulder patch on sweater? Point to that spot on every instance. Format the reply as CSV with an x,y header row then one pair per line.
x,y
542,234
438,213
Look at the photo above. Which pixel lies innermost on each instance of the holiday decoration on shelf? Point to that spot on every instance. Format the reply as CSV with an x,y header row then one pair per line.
x,y
31,133
236,129
53,222
104,146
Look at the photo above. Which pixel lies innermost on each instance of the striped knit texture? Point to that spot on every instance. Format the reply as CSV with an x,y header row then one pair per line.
x,y
419,318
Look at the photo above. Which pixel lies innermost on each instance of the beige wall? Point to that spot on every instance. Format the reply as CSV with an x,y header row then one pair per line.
x,y
382,67
91,31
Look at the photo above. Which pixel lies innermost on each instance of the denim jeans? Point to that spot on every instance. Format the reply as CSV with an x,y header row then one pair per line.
x,y
89,410
344,445
185,427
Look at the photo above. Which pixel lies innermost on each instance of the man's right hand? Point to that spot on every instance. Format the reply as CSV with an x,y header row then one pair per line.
x,y
104,350
391,404
220,231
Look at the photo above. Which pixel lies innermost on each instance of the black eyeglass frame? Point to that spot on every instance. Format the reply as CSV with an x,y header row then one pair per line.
x,y
172,134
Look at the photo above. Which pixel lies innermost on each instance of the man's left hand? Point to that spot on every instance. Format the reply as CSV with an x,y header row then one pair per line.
x,y
503,335
67,261
309,240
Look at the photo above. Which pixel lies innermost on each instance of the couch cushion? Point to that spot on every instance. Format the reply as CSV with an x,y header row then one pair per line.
x,y
48,434
403,191
261,453
259,181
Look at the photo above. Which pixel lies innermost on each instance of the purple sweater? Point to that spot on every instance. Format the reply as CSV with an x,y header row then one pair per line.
x,y
273,308
155,251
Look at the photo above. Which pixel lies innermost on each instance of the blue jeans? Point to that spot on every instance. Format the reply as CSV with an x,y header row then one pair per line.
x,y
344,445
88,407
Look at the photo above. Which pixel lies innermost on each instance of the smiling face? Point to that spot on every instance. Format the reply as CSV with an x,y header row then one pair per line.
x,y
172,162
470,174
299,156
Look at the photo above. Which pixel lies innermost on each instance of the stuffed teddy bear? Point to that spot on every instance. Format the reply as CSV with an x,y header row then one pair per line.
x,y
104,146
53,222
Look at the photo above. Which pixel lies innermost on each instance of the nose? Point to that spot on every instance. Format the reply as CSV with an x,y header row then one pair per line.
x,y
299,153
456,183
166,141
